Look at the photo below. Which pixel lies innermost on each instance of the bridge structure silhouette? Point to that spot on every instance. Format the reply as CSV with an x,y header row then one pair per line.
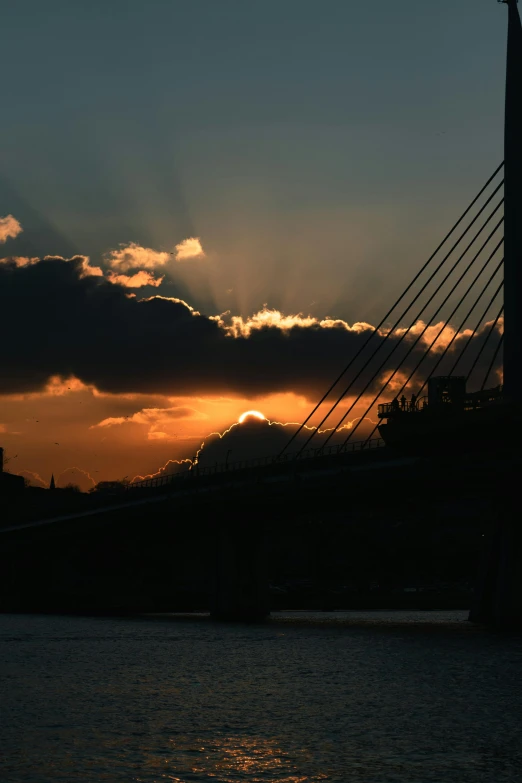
x,y
442,342
462,281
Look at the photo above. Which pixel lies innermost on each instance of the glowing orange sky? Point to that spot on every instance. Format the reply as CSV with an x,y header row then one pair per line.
x,y
71,427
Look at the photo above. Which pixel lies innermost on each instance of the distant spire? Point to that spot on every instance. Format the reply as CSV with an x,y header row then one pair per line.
x,y
52,485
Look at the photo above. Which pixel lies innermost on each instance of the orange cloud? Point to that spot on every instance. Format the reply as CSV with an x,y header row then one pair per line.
x,y
19,261
87,270
430,334
189,248
9,228
442,340
237,326
134,256
57,386
158,420
137,280
83,262
397,382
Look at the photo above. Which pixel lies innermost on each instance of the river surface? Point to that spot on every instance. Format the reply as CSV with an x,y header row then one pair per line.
x,y
349,697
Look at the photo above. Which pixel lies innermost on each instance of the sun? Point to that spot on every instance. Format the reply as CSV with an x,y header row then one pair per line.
x,y
251,414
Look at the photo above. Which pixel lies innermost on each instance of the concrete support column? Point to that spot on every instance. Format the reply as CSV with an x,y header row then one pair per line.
x,y
239,582
498,598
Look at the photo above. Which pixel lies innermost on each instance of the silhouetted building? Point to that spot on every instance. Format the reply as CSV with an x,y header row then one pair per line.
x,y
52,485
9,483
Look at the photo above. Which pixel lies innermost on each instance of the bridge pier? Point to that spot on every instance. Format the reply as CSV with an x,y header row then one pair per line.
x,y
239,582
498,597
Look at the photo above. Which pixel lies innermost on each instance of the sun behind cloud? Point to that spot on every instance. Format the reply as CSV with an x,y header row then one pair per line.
x,y
251,414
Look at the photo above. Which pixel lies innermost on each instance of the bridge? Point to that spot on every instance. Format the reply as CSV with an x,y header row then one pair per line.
x,y
440,342
221,542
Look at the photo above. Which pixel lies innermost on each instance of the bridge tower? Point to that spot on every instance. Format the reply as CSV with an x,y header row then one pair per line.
x,y
498,598
513,209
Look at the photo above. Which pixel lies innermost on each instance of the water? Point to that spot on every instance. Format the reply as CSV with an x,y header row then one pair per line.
x,y
348,697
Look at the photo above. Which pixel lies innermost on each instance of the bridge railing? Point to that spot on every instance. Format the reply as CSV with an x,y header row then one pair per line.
x,y
197,471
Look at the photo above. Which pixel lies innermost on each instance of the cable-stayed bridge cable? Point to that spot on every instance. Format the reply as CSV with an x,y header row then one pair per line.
x,y
471,336
418,295
407,331
406,290
445,351
430,347
463,324
493,360
484,344
419,337
372,433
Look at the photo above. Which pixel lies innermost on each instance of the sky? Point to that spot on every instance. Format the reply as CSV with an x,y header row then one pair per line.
x,y
217,169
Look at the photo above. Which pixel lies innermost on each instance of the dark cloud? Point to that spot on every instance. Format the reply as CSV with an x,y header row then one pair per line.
x,y
257,439
251,439
58,321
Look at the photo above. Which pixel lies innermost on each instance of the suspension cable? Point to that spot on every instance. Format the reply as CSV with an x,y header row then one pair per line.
x,y
405,333
428,350
401,297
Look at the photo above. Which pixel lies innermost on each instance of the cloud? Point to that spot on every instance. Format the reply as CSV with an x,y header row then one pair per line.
x,y
82,478
65,323
158,420
86,270
137,280
256,438
134,256
9,228
177,301
58,387
33,479
148,415
189,248
84,267
170,467
19,260
237,326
